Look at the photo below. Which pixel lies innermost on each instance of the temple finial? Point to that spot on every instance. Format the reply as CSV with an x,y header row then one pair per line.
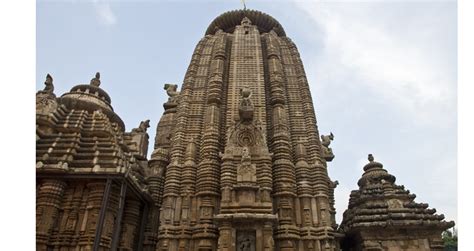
x,y
96,80
371,157
243,2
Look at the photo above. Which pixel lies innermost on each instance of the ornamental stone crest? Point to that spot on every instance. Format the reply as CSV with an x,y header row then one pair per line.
x,y
325,142
171,90
46,99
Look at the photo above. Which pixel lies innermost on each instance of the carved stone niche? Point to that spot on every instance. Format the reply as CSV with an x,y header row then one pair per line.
x,y
245,240
246,189
246,171
307,216
206,212
394,203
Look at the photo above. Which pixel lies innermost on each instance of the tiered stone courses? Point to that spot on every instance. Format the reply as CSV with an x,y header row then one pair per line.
x,y
91,174
384,216
238,162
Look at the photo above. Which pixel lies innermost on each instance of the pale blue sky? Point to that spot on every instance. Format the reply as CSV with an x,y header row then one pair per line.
x,y
382,74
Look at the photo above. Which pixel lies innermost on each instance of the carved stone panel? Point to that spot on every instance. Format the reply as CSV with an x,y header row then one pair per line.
x,y
247,172
245,240
45,103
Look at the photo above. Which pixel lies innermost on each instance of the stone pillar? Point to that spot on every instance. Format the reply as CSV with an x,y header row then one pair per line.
x,y
284,177
96,190
268,242
159,161
48,203
226,241
130,224
208,172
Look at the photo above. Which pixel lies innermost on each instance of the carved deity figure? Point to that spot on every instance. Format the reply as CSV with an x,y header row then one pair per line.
x,y
183,245
326,140
96,80
142,127
245,245
246,172
45,99
246,106
71,221
171,90
262,131
245,155
323,215
246,93
270,243
165,244
222,241
394,203
307,215
49,87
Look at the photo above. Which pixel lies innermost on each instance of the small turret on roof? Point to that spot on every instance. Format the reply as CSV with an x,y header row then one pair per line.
x,y
381,204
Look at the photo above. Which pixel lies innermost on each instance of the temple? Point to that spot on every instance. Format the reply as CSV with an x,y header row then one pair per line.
x,y
238,163
384,216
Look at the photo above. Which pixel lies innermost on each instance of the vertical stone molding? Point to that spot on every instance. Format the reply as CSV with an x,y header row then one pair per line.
x,y
48,204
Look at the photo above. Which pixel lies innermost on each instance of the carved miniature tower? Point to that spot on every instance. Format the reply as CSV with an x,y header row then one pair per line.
x,y
385,216
238,162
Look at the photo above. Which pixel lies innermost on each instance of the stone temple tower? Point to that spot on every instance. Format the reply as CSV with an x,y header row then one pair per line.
x,y
238,163
238,158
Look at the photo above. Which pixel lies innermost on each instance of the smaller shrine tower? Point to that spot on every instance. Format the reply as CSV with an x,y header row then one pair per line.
x,y
384,216
92,188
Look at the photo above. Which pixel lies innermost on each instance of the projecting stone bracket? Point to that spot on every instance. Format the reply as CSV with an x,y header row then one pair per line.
x,y
326,150
328,155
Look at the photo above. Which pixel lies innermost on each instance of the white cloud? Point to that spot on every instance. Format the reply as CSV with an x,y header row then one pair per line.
x,y
104,13
404,66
